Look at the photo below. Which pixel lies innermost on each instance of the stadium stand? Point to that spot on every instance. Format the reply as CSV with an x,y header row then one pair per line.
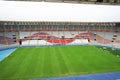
x,y
90,34
58,37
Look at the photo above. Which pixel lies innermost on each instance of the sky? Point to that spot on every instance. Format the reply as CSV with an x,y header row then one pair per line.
x,y
59,12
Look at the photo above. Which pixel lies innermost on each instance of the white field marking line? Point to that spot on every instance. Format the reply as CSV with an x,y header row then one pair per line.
x,y
10,53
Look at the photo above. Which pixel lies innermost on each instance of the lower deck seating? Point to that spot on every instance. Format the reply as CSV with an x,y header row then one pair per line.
x,y
61,42
35,43
78,42
38,38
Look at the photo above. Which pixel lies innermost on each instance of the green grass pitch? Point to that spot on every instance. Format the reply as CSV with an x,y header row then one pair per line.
x,y
29,63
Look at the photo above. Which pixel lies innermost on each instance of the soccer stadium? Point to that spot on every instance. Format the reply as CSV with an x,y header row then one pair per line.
x,y
60,40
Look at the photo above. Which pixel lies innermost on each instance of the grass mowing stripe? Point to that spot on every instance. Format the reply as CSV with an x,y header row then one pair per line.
x,y
55,63
47,65
67,63
31,60
62,65
40,63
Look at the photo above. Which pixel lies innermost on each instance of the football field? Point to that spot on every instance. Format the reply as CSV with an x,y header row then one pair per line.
x,y
47,62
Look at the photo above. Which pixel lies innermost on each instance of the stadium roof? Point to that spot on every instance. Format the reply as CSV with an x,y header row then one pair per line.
x,y
61,12
99,2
